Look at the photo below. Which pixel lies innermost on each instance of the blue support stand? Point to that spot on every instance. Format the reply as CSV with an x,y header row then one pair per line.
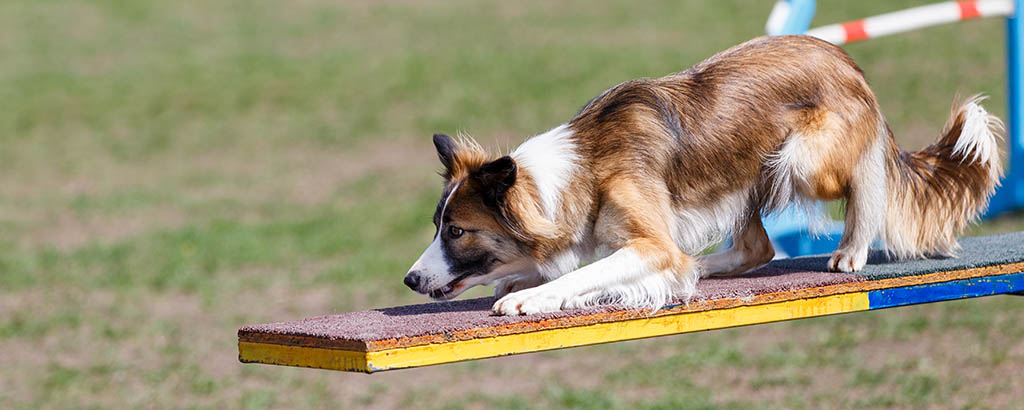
x,y
1010,196
801,12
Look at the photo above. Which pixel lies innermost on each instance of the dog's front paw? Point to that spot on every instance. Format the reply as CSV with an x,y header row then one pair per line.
x,y
847,261
529,301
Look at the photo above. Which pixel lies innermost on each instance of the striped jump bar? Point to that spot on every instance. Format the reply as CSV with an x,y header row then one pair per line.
x,y
911,19
429,334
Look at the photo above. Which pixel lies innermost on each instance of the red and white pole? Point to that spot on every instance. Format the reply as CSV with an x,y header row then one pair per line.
x,y
911,19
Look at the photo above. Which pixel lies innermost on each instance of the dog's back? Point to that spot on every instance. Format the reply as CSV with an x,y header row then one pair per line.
x,y
779,120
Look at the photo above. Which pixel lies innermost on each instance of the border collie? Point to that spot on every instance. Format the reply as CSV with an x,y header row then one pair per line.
x,y
614,206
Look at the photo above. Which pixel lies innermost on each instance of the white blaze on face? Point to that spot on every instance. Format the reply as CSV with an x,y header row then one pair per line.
x,y
432,265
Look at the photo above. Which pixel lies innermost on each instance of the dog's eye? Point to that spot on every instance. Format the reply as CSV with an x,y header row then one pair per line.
x,y
455,231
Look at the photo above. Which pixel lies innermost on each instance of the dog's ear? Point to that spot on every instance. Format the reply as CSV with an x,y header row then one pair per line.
x,y
495,178
445,151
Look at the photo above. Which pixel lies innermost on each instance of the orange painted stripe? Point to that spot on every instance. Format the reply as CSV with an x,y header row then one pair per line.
x,y
854,30
968,9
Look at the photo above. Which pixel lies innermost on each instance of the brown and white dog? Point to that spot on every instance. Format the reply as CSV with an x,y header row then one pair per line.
x,y
612,206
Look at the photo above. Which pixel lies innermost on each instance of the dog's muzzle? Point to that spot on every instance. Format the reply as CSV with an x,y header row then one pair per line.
x,y
413,281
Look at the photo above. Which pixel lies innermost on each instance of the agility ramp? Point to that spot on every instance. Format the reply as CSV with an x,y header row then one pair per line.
x,y
445,332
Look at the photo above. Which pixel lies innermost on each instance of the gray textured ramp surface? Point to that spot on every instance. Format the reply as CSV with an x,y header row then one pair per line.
x,y
445,332
459,315
976,252
779,276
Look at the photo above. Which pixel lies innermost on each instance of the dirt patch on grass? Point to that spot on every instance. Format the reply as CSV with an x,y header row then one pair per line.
x,y
117,200
67,230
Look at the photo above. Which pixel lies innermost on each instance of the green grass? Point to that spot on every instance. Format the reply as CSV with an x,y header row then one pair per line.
x,y
170,171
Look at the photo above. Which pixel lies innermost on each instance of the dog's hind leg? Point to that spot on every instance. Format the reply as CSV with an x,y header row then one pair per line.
x,y
646,270
841,155
865,211
750,249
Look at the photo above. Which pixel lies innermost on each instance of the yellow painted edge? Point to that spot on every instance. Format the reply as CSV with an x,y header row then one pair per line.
x,y
317,358
438,353
614,331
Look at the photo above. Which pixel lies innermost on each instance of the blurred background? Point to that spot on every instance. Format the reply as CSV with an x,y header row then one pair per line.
x,y
170,171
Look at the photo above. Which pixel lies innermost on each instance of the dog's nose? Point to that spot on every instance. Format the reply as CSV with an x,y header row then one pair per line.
x,y
412,280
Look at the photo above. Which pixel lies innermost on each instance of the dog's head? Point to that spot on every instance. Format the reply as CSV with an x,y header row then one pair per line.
x,y
475,241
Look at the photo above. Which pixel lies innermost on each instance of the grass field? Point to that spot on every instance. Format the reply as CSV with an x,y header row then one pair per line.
x,y
170,171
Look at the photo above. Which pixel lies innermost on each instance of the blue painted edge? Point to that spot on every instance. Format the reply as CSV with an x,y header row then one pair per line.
x,y
937,292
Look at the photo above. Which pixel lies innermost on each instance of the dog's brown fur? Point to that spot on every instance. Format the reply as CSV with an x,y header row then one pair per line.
x,y
941,193
650,148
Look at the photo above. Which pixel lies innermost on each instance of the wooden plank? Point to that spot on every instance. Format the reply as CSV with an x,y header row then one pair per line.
x,y
421,335
637,328
527,326
438,353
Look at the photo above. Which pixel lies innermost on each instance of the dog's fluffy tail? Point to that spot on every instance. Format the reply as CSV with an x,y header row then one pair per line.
x,y
935,192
